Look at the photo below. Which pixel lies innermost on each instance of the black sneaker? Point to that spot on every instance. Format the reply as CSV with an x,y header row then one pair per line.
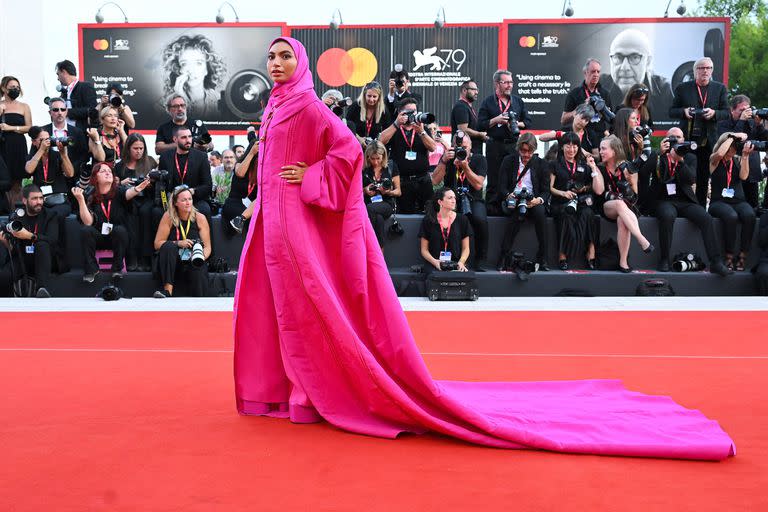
x,y
162,294
42,293
664,265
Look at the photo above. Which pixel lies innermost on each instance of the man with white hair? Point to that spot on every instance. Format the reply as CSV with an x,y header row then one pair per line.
x,y
632,63
699,105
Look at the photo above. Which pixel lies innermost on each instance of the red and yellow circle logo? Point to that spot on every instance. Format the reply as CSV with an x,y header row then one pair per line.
x,y
527,42
100,44
356,67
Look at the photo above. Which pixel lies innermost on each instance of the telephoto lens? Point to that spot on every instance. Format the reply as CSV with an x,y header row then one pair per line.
x,y
198,258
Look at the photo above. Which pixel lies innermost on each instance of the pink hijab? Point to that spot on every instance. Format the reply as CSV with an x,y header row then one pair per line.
x,y
288,98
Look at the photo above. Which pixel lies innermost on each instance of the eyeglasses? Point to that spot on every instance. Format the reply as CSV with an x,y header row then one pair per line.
x,y
178,106
475,88
180,188
704,67
505,82
633,58
58,110
373,85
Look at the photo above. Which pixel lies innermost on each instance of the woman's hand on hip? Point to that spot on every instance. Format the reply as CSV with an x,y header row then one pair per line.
x,y
294,173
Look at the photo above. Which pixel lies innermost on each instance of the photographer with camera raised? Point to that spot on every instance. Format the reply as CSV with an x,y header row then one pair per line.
x,y
80,96
524,187
399,90
700,104
50,171
368,116
728,202
104,213
444,235
464,117
114,97
409,147
177,109
463,171
673,196
237,209
590,92
617,197
571,203
69,134
133,169
502,115
745,119
31,236
183,245
580,125
381,187
189,166
636,141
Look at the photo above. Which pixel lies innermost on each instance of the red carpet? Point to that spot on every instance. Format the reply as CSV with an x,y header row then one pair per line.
x,y
105,427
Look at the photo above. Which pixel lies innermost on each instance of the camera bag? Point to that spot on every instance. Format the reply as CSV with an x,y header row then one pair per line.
x,y
452,286
654,288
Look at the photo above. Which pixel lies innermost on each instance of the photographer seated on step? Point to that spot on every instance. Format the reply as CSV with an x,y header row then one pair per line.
x,y
444,235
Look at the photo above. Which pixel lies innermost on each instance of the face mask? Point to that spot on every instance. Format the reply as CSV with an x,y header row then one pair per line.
x,y
13,93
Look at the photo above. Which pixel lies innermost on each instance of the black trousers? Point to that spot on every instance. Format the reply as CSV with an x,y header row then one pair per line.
x,y
92,239
416,190
135,227
702,173
537,215
173,271
37,265
378,213
479,221
730,214
495,151
667,211
752,193
232,208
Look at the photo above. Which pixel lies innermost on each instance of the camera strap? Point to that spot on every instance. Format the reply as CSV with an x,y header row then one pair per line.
x,y
178,167
703,98
471,108
180,230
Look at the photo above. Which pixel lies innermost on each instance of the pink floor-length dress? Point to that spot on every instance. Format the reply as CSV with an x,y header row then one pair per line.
x,y
320,333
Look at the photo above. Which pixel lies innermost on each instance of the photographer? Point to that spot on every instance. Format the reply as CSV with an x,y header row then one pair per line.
x,y
581,127
80,96
32,247
114,97
104,214
242,193
410,146
381,187
368,116
399,90
464,117
672,196
189,166
524,188
50,170
743,119
589,92
183,245
132,170
636,142
75,138
444,235
728,202
112,135
637,99
463,171
222,176
700,104
570,186
502,115
617,196
177,109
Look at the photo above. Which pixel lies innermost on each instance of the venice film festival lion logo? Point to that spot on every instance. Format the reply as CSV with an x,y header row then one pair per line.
x,y
430,57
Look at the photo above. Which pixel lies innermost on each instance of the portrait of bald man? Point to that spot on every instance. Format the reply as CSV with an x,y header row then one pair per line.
x,y
631,61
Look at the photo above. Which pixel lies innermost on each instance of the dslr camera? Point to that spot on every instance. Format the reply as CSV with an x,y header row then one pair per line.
x,y
399,75
518,200
598,103
757,145
195,255
681,148
760,112
687,262
572,206
697,129
464,200
420,117
14,224
338,107
511,116
65,141
449,266
459,152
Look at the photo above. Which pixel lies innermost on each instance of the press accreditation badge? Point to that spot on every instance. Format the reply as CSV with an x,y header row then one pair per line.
x,y
728,193
247,202
445,255
377,198
106,228
30,249
410,155
580,169
671,189
46,190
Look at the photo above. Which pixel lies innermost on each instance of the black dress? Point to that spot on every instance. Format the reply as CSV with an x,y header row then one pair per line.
x,y
13,147
575,229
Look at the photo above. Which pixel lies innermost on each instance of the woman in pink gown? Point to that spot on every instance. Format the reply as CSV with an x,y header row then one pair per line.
x,y
320,334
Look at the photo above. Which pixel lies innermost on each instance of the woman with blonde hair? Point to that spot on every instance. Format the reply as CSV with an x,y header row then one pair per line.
x,y
381,187
368,114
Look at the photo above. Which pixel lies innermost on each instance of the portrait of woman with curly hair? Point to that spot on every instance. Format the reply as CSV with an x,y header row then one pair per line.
x,y
193,70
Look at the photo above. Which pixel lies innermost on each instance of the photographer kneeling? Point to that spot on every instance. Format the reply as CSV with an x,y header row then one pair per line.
x,y
104,215
381,185
183,245
444,235
31,236
464,171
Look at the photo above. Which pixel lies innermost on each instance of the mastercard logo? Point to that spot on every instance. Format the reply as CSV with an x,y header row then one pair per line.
x,y
527,42
100,44
356,67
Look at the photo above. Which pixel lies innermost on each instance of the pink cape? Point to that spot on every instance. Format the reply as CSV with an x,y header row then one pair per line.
x,y
320,334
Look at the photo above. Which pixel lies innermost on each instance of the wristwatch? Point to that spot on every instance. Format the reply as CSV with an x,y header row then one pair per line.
x,y
34,237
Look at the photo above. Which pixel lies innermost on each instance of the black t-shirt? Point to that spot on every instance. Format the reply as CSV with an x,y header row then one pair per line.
x,y
361,128
44,225
430,230
719,180
49,173
388,172
241,188
465,113
578,173
683,177
479,166
165,130
400,145
117,208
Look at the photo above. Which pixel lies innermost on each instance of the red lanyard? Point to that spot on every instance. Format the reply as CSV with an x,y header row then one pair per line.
x,y
672,167
445,232
250,188
45,169
728,173
521,171
503,108
587,91
614,187
36,227
368,125
178,168
413,135
471,108
572,172
108,210
702,98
